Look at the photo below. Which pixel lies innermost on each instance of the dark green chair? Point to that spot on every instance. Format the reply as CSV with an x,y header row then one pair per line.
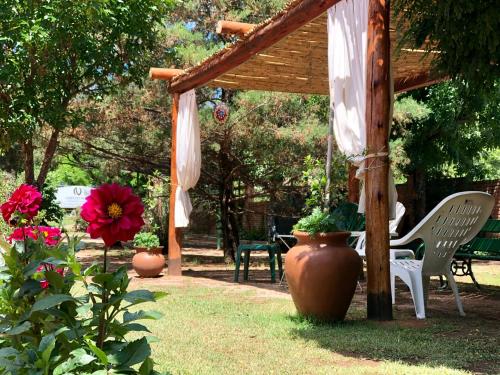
x,y
274,252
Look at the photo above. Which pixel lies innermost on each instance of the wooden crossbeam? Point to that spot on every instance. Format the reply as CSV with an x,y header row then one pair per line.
x,y
233,28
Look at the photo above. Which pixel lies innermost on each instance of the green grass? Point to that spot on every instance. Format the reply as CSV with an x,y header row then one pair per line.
x,y
226,331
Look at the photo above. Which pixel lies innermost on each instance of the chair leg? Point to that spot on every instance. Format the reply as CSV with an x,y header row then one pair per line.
x,y
426,280
246,261
418,292
237,265
272,264
393,288
280,262
453,285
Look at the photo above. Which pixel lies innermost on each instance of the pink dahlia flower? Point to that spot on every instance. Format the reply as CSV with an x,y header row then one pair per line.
x,y
26,200
113,212
51,235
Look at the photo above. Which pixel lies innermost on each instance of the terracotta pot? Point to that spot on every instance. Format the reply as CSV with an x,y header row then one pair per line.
x,y
322,273
148,262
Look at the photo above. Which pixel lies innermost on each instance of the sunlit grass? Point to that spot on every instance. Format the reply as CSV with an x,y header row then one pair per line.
x,y
221,331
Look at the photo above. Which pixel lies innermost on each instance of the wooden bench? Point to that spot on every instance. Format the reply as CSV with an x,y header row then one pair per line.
x,y
485,246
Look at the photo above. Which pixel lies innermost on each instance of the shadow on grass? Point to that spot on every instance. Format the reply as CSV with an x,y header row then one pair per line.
x,y
450,342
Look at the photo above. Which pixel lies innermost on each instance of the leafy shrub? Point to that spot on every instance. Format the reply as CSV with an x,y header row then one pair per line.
x,y
344,218
57,318
317,222
147,240
50,210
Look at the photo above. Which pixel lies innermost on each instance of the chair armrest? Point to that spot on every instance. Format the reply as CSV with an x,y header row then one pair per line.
x,y
410,237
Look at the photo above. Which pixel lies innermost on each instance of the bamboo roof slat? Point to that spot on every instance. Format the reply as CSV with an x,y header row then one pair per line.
x,y
297,62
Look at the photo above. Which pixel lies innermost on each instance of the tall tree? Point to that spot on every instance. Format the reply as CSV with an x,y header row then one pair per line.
x,y
464,32
54,53
445,131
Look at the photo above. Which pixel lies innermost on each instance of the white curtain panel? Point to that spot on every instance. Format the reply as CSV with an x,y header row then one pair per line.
x,y
188,156
347,49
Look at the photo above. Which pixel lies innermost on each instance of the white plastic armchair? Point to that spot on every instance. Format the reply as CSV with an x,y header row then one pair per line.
x,y
453,222
393,226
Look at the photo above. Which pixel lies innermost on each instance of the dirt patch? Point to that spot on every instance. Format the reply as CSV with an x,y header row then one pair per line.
x,y
206,267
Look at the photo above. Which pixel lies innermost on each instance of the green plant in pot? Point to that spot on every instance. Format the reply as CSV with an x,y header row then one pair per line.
x,y
148,260
322,269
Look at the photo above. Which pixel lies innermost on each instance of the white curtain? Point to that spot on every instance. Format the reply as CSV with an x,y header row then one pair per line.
x,y
188,155
347,48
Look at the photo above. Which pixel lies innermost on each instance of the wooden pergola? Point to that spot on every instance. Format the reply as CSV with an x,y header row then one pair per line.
x,y
288,53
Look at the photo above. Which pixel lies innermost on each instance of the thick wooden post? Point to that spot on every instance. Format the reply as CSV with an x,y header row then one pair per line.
x,y
377,133
353,185
174,234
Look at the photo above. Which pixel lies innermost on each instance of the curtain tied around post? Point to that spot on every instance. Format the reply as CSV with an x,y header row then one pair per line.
x,y
188,154
347,56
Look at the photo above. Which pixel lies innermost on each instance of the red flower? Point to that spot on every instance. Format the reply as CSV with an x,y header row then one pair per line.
x,y
113,212
48,267
26,200
51,235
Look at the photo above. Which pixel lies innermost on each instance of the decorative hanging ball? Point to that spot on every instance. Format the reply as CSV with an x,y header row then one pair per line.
x,y
221,113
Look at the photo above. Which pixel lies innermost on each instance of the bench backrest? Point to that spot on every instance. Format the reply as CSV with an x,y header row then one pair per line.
x,y
485,244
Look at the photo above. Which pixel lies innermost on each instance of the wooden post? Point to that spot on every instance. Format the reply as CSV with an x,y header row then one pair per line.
x,y
174,234
377,133
353,185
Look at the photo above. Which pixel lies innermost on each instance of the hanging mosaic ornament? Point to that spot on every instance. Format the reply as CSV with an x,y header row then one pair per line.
x,y
221,113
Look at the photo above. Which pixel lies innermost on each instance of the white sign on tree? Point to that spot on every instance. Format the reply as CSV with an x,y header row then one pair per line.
x,y
72,196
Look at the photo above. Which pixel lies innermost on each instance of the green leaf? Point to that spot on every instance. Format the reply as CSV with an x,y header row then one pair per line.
x,y
51,301
26,326
8,352
160,295
90,270
79,358
46,346
136,327
102,278
55,279
138,296
146,367
134,352
98,352
141,314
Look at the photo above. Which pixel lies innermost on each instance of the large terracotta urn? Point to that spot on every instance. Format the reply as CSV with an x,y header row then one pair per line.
x,y
148,262
322,273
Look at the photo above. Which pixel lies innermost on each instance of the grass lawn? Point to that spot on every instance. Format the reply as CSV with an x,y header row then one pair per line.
x,y
213,330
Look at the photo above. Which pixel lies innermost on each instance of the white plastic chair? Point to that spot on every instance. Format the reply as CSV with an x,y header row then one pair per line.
x,y
453,222
393,226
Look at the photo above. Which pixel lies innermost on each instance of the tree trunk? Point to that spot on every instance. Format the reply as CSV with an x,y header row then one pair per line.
x,y
229,240
230,235
29,165
48,157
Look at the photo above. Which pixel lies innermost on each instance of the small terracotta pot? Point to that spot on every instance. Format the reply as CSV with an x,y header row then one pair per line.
x,y
148,262
322,273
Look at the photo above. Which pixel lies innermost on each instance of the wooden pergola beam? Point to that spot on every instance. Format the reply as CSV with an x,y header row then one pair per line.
x,y
269,34
164,73
233,28
412,83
